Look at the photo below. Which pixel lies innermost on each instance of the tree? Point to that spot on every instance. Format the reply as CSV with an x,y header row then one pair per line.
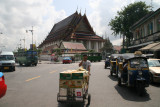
x,y
108,47
126,18
92,51
57,51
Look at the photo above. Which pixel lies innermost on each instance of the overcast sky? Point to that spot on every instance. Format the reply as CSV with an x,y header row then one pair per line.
x,y
17,16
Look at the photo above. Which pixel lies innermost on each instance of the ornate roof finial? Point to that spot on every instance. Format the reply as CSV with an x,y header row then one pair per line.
x,y
77,9
85,11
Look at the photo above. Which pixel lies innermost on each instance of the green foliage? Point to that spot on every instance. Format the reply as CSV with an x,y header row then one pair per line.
x,y
127,17
92,51
108,47
77,55
39,50
57,51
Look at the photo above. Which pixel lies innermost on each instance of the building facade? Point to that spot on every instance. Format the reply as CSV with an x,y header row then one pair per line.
x,y
75,28
146,31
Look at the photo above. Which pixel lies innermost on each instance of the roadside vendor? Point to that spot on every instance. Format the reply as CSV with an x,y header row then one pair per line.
x,y
86,64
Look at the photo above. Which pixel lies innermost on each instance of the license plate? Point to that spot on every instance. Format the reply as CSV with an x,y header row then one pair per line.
x,y
6,67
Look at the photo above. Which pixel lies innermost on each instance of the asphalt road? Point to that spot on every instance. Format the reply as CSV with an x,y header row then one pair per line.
x,y
38,87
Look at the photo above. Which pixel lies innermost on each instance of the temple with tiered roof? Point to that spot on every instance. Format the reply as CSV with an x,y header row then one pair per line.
x,y
74,29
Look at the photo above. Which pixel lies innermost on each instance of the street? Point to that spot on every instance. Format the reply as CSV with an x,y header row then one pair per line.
x,y
38,87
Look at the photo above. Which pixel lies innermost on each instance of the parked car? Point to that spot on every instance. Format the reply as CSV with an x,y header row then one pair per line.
x,y
154,67
7,61
3,86
67,60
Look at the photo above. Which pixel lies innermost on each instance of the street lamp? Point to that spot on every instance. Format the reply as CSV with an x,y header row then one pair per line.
x,y
32,35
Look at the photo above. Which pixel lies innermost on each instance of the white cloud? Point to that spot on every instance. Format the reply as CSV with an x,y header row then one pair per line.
x,y
117,41
103,11
94,3
17,16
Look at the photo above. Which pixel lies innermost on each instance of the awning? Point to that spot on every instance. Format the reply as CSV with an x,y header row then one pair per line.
x,y
143,44
156,48
150,46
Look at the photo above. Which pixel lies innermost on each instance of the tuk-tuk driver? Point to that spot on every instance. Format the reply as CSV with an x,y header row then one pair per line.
x,y
125,66
86,64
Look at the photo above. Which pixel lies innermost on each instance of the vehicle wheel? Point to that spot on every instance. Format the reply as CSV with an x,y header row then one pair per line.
x,y
35,64
119,81
20,63
111,73
57,97
14,68
151,78
89,99
105,67
116,74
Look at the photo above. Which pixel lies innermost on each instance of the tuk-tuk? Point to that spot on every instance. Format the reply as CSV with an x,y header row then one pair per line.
x,y
134,72
107,62
114,64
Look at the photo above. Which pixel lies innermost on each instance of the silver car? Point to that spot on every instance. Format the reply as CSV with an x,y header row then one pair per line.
x,y
154,67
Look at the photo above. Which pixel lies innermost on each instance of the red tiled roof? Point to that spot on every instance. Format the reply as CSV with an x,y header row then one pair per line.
x,y
74,46
118,48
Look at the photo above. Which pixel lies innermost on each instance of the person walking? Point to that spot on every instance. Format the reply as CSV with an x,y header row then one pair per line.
x,y
86,64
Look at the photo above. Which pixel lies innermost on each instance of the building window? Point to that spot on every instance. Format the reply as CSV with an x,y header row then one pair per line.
x,y
141,33
137,34
150,28
158,24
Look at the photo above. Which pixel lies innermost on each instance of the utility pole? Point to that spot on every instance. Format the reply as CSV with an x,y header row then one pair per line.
x,y
151,5
32,35
24,43
19,45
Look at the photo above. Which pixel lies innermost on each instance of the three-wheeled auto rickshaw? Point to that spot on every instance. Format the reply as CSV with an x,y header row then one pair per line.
x,y
107,62
134,72
114,64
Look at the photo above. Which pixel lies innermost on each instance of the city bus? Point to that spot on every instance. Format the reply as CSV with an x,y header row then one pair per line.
x,y
27,58
93,56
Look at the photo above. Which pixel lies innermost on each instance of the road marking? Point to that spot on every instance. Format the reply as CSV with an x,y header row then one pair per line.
x,y
32,78
52,72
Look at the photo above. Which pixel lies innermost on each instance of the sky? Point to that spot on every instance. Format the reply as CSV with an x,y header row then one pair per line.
x,y
17,16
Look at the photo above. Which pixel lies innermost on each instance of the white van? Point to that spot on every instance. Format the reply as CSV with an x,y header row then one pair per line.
x,y
7,61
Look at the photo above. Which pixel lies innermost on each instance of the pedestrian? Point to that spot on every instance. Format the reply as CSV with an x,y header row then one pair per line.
x,y
86,64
